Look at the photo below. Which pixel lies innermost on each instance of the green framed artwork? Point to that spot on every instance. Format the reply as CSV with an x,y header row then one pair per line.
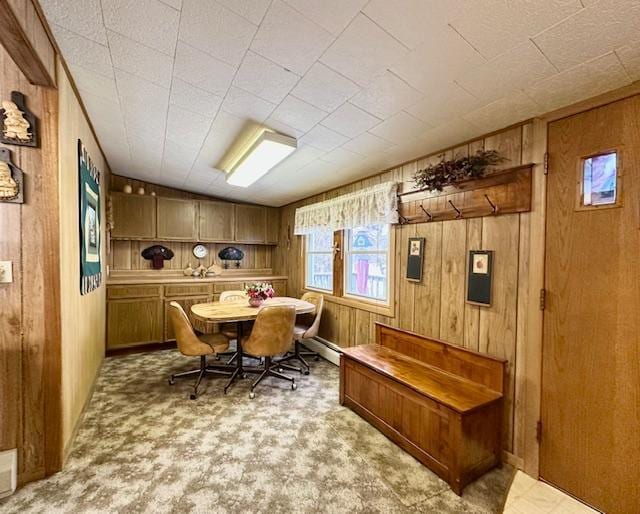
x,y
89,182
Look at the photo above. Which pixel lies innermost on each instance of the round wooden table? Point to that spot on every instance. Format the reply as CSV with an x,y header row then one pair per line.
x,y
238,311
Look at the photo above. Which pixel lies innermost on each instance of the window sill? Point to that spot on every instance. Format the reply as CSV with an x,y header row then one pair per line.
x,y
355,303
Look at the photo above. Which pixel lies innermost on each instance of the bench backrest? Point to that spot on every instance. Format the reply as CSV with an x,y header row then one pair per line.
x,y
480,368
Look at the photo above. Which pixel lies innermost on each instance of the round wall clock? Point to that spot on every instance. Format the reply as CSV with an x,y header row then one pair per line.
x,y
200,251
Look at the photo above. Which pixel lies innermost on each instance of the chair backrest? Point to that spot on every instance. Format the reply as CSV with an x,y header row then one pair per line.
x,y
314,326
272,331
188,342
230,296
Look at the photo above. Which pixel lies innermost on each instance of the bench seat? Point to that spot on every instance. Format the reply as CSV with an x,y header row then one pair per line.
x,y
457,393
441,403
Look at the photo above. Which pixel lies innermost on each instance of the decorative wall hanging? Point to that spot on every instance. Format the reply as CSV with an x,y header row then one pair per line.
x,y
157,254
436,176
479,277
200,251
19,125
415,255
231,254
89,182
11,179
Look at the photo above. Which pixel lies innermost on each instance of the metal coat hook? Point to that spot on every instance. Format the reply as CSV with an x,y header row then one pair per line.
x,y
494,207
427,213
456,209
403,220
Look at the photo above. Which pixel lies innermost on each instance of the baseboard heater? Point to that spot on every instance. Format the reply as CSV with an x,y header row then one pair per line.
x,y
328,350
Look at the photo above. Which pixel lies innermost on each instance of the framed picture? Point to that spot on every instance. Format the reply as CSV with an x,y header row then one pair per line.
x,y
415,257
89,205
479,277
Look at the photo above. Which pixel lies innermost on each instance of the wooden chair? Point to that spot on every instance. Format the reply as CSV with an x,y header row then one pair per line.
x,y
271,336
191,346
306,329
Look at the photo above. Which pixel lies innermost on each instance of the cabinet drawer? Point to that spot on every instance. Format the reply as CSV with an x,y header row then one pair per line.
x,y
118,292
228,286
186,290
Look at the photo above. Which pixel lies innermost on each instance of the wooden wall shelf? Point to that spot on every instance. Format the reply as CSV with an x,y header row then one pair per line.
x,y
502,192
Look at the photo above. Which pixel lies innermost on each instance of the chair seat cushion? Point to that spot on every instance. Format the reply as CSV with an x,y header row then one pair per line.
x,y
298,331
218,342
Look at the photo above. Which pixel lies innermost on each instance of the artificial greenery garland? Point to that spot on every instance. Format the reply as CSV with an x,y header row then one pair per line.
x,y
436,176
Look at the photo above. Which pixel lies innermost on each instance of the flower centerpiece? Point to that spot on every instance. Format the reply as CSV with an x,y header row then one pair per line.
x,y
258,292
447,172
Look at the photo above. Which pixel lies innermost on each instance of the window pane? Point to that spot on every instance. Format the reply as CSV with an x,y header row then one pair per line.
x,y
371,238
320,271
321,241
599,179
367,275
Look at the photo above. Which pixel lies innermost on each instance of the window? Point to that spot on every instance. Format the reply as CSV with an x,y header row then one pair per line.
x,y
366,265
319,265
600,180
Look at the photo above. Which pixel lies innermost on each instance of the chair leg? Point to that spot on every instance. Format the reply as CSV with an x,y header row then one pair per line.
x,y
203,370
270,371
231,379
296,355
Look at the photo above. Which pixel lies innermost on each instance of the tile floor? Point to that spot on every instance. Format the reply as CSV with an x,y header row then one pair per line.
x,y
530,496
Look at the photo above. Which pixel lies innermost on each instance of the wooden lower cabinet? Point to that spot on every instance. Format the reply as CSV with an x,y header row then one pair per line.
x,y
134,321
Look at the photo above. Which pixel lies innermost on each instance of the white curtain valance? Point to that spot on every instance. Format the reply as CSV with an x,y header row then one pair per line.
x,y
373,205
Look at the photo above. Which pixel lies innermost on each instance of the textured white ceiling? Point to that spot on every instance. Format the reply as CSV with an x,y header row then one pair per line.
x,y
363,85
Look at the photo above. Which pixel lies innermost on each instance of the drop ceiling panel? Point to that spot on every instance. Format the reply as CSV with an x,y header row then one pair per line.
x,y
169,85
325,88
140,60
202,70
264,78
363,51
216,30
350,121
386,96
149,22
304,42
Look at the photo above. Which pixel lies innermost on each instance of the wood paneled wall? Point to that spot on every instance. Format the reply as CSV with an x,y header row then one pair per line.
x,y
30,394
83,318
436,306
126,255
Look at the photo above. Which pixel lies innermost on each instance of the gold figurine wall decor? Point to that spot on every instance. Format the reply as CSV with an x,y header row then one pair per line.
x,y
11,179
19,125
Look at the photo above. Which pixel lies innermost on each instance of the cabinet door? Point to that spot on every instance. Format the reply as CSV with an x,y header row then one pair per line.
x,y
134,321
250,224
186,305
217,220
134,216
273,226
177,219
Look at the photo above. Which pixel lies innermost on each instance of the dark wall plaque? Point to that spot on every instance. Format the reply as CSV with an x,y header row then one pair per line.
x,y
479,277
415,256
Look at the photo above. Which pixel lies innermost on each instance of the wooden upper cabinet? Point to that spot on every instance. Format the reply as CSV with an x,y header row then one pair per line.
x,y
177,219
251,223
217,221
134,216
273,226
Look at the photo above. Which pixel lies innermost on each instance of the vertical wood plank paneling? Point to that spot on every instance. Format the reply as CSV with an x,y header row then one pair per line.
x,y
454,243
472,312
406,288
427,292
498,322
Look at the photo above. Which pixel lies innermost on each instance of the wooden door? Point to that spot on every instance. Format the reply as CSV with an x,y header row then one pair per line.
x,y
590,443
177,219
250,224
217,220
134,321
134,216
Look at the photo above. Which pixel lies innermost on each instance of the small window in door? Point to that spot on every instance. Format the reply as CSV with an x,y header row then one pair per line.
x,y
600,180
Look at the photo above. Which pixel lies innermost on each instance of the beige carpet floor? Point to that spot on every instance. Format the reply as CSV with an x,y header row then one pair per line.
x,y
143,446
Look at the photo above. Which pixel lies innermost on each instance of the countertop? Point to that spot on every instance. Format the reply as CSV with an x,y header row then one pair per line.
x,y
123,280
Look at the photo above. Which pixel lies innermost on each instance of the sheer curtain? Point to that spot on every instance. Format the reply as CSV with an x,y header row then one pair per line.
x,y
373,205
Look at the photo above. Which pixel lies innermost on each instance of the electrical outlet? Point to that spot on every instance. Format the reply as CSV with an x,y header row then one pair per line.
x,y
6,273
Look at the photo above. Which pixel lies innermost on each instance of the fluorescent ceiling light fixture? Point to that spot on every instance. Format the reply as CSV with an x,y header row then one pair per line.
x,y
267,151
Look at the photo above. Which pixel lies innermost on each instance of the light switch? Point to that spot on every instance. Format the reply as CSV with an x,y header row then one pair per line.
x,y
6,272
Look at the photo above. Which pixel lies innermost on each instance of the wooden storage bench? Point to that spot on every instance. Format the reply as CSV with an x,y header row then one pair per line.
x,y
441,403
